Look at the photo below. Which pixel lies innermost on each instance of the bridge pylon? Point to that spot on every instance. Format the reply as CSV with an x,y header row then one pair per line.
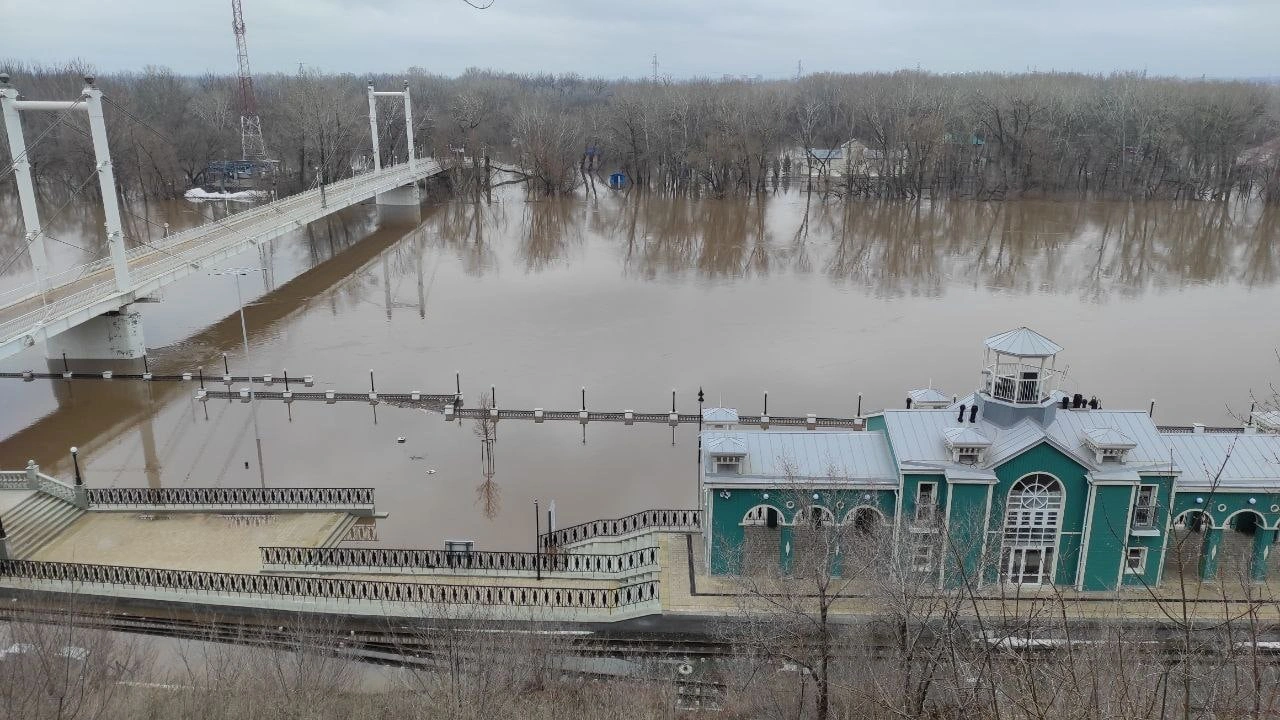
x,y
405,200
117,335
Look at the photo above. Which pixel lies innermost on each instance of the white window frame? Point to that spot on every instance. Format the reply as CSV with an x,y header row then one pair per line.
x,y
1142,555
730,463
925,512
922,558
1032,529
1150,508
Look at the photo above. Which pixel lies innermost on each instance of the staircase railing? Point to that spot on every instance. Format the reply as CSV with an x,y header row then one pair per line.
x,y
672,520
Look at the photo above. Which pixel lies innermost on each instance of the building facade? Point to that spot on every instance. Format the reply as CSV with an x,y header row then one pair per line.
x,y
1016,483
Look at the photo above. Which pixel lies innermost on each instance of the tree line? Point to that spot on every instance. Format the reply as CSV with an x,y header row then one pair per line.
x,y
899,135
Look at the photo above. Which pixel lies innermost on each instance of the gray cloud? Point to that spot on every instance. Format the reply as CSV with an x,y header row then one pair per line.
x,y
1226,38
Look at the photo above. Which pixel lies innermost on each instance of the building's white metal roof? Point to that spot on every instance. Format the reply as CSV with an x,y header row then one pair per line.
x,y
720,415
725,444
919,437
1210,460
962,473
928,395
1108,438
965,436
1149,446
1023,342
1113,475
806,455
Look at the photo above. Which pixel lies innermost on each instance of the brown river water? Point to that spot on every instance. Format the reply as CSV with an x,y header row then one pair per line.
x,y
631,298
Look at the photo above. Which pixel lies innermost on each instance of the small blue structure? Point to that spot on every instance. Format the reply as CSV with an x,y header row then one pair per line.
x,y
617,180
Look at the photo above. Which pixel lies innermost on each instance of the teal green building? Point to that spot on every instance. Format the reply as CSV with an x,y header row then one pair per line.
x,y
1017,483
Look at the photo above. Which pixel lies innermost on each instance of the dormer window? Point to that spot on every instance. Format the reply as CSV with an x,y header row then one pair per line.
x,y
967,445
725,452
1108,445
729,464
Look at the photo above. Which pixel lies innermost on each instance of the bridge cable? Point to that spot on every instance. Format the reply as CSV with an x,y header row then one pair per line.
x,y
147,126
125,207
221,222
75,192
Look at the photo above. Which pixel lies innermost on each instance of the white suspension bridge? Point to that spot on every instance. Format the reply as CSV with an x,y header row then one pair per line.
x,y
83,311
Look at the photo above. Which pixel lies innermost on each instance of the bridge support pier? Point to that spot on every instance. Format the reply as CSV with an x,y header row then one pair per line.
x,y
403,204
114,336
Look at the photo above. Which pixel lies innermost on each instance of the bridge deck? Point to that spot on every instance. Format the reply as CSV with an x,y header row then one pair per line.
x,y
83,292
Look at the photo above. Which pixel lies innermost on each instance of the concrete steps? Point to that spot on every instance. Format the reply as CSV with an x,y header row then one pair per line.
x,y
340,532
614,545
36,521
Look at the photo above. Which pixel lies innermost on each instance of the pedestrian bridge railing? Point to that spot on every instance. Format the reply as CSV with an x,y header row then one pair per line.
x,y
662,520
157,263
359,501
382,560
198,585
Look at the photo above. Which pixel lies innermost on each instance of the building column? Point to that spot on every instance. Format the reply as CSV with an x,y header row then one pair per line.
x,y
1262,539
1209,553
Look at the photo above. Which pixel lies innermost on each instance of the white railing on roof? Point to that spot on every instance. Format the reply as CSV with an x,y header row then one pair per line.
x,y
1008,382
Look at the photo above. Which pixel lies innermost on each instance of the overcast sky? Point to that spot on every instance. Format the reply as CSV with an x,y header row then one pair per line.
x,y
1218,38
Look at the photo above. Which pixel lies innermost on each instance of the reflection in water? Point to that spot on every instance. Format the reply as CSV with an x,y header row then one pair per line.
x,y
816,301
463,227
488,494
74,234
892,249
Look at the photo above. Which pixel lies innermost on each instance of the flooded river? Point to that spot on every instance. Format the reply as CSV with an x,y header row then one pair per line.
x,y
631,298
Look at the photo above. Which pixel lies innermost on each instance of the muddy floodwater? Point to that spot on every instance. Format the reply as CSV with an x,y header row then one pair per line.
x,y
630,298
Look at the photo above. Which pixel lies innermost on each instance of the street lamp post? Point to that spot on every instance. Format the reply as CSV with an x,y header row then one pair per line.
x,y
244,336
537,539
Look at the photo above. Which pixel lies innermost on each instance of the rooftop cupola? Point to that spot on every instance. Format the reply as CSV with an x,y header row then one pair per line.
x,y
927,399
720,418
1019,378
1020,367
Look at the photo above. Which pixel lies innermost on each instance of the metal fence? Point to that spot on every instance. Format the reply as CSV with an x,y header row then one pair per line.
x,y
244,496
313,558
673,520
197,581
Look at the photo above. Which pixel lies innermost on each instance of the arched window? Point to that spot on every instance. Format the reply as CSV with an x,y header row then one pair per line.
x,y
816,516
765,515
1032,518
865,520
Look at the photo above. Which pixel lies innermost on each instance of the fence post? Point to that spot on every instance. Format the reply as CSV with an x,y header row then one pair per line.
x,y
33,475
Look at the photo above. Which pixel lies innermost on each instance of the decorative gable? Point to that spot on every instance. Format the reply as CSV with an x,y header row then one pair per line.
x,y
726,453
1108,444
967,445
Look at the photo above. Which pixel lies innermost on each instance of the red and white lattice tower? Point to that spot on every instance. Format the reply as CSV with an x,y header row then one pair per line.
x,y
252,146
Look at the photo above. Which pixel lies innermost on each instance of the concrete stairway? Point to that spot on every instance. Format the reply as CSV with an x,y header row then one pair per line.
x,y
35,521
340,532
